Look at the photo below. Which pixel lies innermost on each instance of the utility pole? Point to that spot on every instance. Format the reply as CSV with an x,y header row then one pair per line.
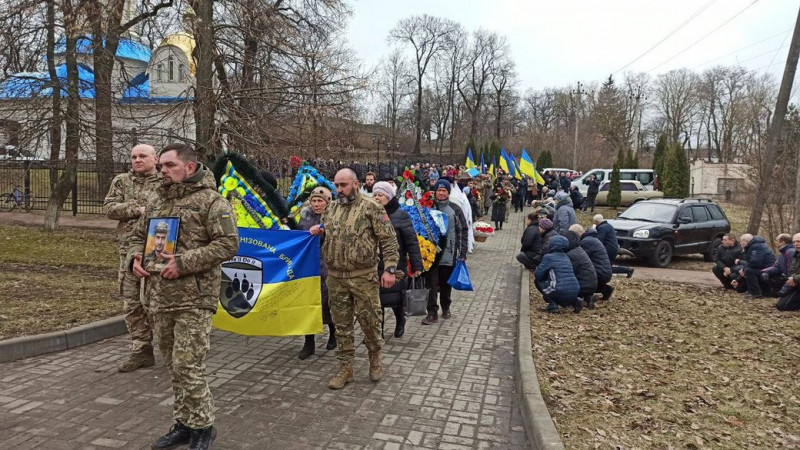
x,y
775,130
579,92
637,115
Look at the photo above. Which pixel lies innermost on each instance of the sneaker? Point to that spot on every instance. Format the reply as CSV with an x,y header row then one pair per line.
x,y
630,272
430,320
446,314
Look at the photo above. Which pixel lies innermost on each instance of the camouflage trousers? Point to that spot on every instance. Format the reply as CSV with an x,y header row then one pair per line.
x,y
355,297
134,305
183,339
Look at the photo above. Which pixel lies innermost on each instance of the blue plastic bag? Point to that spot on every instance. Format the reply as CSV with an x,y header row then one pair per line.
x,y
459,279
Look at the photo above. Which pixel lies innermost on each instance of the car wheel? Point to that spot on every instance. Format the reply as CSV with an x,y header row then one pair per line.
x,y
663,255
712,250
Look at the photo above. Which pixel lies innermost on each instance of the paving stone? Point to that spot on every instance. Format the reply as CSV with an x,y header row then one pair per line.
x,y
447,386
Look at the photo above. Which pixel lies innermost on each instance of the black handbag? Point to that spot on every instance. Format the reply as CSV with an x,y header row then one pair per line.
x,y
415,298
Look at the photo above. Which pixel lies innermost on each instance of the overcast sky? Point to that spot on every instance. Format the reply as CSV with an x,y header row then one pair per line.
x,y
558,42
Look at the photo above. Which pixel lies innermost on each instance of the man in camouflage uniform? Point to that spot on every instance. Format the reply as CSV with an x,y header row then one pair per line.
x,y
355,228
126,202
184,295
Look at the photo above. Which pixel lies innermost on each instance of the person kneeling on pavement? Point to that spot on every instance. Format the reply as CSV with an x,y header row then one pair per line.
x,y
774,277
555,279
583,268
757,257
790,295
531,242
725,260
602,265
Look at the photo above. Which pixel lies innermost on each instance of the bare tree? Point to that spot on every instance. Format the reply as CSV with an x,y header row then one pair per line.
x,y
394,87
476,73
427,35
503,76
676,93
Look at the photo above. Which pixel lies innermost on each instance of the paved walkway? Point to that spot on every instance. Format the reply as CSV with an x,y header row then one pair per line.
x,y
448,386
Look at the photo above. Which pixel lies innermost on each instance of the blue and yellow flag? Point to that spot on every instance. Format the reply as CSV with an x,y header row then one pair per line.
x,y
528,167
470,160
505,163
272,286
493,167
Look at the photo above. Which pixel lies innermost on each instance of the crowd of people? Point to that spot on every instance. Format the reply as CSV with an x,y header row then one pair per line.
x,y
370,253
748,266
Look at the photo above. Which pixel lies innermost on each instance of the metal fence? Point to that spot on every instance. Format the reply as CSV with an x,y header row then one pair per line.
x,y
86,196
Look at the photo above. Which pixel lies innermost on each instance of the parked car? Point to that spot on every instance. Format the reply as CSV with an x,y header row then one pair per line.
x,y
657,229
632,192
645,176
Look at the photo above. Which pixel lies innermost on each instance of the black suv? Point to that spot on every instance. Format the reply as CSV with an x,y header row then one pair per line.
x,y
657,229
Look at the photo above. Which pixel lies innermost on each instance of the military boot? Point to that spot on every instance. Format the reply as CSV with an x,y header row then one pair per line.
x,y
376,366
344,376
138,360
178,435
202,438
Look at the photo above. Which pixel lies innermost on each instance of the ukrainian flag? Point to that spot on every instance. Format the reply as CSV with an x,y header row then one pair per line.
x,y
272,286
470,160
528,167
504,161
492,167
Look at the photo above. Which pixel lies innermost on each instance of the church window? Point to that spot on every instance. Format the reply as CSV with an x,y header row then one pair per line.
x,y
181,73
160,72
171,68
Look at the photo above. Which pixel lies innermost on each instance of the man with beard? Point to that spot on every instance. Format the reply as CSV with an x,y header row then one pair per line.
x,y
356,229
369,182
185,293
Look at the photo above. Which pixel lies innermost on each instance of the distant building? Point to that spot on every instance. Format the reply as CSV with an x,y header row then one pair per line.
x,y
720,180
153,93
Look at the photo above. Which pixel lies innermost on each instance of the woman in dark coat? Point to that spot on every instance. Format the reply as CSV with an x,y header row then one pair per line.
x,y
408,246
310,216
500,198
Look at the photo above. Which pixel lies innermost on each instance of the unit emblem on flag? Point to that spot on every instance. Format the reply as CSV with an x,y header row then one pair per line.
x,y
241,285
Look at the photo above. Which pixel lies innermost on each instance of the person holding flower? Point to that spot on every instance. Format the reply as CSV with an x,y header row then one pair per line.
x,y
500,198
385,194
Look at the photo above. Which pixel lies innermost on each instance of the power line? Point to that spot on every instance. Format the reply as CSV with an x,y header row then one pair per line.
x,y
772,61
684,23
706,35
785,34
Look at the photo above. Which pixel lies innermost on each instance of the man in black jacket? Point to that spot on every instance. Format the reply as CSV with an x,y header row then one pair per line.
x,y
591,194
757,257
531,242
725,259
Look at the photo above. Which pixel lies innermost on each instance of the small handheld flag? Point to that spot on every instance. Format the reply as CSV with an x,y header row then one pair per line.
x,y
470,163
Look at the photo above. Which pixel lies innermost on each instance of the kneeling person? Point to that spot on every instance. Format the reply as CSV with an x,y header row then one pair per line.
x,y
725,260
602,265
554,277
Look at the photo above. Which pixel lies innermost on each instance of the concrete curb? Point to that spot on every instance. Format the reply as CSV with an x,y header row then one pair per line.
x,y
539,425
30,346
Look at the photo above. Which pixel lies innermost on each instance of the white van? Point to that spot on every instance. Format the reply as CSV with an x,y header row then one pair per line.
x,y
644,176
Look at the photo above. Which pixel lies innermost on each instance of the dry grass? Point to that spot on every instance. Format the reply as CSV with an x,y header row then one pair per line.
x,y
666,366
54,281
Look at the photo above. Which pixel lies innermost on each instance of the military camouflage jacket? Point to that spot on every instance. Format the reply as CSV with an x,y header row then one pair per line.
x,y
207,237
128,192
353,233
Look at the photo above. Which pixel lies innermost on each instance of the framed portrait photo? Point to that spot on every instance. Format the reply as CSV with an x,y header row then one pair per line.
x,y
162,239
